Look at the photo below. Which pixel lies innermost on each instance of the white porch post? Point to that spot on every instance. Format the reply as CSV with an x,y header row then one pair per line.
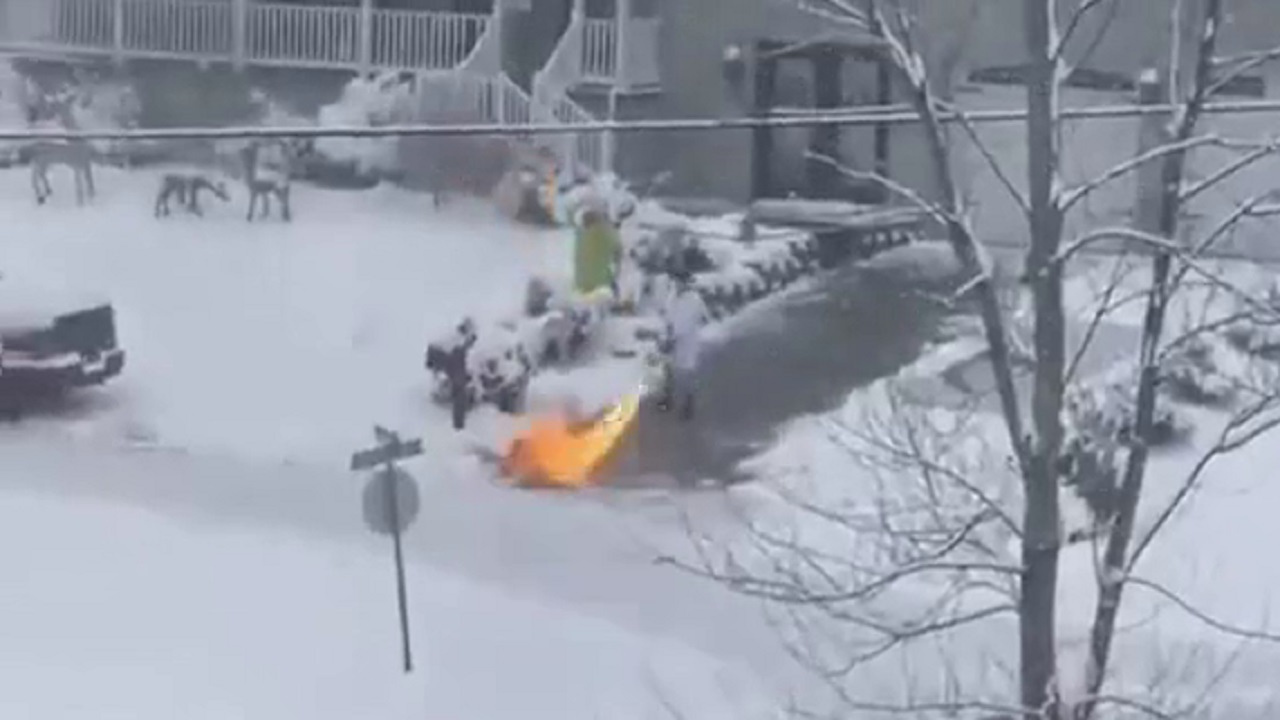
x,y
498,87
366,36
621,29
117,31
239,33
621,45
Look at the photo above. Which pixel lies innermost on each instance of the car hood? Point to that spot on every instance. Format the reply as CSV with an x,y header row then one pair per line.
x,y
27,302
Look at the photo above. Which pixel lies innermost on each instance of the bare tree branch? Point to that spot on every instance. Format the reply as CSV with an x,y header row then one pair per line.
x,y
1188,608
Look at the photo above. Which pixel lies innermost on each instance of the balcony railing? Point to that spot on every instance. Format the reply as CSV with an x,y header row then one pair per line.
x,y
244,32
600,52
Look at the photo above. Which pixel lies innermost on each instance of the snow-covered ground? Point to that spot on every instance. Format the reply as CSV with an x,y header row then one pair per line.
x,y
207,552
280,341
119,611
1213,555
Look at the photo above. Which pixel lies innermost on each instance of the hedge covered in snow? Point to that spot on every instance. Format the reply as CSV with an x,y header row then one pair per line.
x,y
729,272
1209,368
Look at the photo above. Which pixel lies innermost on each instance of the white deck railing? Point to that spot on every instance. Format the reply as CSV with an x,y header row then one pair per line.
x,y
252,33
600,51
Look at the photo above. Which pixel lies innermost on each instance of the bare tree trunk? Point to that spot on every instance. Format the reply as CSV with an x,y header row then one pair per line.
x,y
1041,541
1115,563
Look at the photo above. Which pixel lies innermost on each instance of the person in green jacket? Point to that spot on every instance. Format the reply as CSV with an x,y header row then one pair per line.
x,y
597,250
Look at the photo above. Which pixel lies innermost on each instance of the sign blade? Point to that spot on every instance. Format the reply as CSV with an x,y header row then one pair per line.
x,y
384,454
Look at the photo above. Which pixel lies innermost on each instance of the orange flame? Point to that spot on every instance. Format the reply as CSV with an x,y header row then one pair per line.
x,y
556,452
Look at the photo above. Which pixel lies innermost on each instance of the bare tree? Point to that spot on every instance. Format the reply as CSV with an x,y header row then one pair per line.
x,y
942,514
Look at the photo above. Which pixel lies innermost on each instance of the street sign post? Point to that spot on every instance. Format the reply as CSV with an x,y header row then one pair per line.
x,y
391,504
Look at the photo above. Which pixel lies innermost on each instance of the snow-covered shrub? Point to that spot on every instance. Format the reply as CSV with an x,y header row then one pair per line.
x,y
1090,461
1253,337
1258,336
1193,372
382,99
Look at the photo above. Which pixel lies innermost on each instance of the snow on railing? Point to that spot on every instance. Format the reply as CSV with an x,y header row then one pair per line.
x,y
165,27
432,40
277,34
84,23
301,35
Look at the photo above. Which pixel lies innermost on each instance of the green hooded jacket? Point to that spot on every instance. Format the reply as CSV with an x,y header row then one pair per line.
x,y
596,247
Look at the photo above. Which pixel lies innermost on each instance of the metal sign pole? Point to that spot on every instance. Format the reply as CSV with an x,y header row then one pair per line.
x,y
402,593
389,513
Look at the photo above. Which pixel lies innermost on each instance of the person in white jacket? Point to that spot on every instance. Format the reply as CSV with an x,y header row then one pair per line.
x,y
685,315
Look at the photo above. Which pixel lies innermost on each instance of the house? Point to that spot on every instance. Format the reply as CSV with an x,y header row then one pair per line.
x,y
574,61
651,59
688,42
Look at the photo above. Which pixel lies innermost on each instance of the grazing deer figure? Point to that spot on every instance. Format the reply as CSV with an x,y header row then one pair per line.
x,y
76,155
267,177
186,187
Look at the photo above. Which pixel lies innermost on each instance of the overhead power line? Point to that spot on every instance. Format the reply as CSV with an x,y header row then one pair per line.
x,y
846,118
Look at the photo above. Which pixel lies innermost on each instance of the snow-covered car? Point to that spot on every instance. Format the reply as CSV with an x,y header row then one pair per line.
x,y
52,340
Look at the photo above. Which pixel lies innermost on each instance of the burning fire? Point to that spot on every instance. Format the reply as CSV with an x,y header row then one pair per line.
x,y
556,452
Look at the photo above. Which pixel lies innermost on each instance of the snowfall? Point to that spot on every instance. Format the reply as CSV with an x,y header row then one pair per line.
x,y
187,541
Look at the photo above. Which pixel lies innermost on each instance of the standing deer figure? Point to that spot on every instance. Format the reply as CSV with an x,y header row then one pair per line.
x,y
269,176
76,155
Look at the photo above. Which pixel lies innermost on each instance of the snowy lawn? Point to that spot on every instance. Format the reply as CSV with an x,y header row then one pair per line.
x,y
268,339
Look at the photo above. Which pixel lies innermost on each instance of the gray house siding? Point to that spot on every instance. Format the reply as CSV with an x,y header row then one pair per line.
x,y
1122,36
694,38
695,34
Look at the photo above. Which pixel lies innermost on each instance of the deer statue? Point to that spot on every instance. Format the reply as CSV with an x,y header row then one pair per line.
x,y
76,155
268,170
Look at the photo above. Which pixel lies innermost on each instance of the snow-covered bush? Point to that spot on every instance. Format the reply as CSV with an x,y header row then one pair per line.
x,y
382,99
1193,372
1253,335
1099,419
1091,452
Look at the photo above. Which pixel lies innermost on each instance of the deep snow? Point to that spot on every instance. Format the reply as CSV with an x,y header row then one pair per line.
x,y
269,339
202,496
1213,555
205,495
112,611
